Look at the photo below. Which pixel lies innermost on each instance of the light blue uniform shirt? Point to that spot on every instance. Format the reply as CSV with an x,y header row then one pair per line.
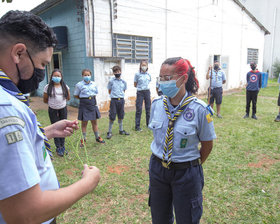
x,y
143,81
190,128
217,78
24,161
158,86
117,87
84,90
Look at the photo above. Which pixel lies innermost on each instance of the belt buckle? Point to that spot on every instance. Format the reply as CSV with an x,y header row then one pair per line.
x,y
164,164
90,97
119,98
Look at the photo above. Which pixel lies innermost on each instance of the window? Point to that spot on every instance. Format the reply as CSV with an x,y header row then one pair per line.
x,y
132,48
252,55
56,62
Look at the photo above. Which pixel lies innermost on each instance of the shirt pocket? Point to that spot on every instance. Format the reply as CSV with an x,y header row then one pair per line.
x,y
156,127
184,136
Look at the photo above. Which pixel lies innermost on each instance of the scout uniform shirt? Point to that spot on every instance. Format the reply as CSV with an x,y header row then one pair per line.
x,y
117,87
143,80
217,78
191,127
24,161
85,90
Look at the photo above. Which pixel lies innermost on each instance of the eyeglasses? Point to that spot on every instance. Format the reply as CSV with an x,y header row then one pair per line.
x,y
165,78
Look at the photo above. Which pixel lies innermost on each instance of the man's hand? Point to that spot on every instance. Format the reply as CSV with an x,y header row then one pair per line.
x,y
61,129
91,175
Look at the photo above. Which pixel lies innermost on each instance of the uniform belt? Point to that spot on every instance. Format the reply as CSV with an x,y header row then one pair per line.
x,y
117,98
90,97
179,166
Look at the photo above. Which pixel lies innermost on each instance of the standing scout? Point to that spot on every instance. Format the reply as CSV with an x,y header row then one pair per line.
x,y
218,78
175,171
29,189
254,83
116,88
86,90
142,81
277,119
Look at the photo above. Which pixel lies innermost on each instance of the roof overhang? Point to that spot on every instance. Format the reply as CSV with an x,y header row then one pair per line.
x,y
253,17
46,5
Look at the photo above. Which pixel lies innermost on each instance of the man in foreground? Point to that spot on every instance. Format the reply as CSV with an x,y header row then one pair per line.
x,y
29,189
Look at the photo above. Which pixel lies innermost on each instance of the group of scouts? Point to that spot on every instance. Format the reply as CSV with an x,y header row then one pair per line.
x,y
57,93
182,127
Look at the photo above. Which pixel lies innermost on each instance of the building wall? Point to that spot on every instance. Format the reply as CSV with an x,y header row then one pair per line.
x,y
74,58
268,13
196,30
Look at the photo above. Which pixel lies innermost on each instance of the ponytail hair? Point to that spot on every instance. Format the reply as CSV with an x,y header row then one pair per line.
x,y
184,67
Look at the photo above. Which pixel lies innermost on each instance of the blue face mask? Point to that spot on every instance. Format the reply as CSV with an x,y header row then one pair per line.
x,y
56,79
87,78
169,88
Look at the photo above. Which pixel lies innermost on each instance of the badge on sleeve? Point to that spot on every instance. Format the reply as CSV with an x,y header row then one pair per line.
x,y
209,118
12,120
189,114
14,137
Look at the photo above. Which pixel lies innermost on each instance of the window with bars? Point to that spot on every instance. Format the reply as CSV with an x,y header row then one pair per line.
x,y
252,55
132,48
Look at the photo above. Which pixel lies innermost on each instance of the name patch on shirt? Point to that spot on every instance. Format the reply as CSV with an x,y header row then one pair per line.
x,y
14,137
6,121
189,114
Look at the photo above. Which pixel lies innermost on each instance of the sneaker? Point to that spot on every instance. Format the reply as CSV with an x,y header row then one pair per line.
x,y
59,152
219,116
123,132
64,150
246,116
277,119
138,129
109,135
83,142
254,117
100,140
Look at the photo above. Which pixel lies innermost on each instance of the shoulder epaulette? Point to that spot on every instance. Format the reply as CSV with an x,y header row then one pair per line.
x,y
157,98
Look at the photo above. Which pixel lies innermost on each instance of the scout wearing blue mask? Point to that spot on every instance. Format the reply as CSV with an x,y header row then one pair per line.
x,y
86,92
183,121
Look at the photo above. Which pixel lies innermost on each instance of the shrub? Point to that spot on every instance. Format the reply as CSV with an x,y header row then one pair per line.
x,y
276,68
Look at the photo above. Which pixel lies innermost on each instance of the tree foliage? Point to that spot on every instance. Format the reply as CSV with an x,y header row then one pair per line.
x,y
8,1
276,68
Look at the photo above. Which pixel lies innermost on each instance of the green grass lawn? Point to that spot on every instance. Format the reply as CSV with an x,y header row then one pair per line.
x,y
242,183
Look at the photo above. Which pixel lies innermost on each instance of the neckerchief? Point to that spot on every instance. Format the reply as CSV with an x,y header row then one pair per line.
x,y
169,136
12,89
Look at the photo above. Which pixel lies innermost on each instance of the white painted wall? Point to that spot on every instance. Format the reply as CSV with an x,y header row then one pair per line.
x,y
191,29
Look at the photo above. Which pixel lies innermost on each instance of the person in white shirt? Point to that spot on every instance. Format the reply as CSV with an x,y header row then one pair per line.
x,y
56,93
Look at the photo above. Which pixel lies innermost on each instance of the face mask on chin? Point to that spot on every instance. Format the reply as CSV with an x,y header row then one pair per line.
x,y
29,85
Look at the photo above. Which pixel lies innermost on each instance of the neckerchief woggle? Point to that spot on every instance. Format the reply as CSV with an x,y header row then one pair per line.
x,y
12,89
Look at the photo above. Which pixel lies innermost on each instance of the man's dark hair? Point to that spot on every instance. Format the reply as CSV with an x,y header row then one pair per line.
x,y
192,84
27,28
116,68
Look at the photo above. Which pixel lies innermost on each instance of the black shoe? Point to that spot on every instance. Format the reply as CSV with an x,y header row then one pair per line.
x,y
138,129
59,152
277,119
123,132
246,116
109,135
254,117
100,140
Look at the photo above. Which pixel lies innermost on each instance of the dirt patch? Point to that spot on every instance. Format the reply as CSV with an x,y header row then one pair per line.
x,y
119,169
264,163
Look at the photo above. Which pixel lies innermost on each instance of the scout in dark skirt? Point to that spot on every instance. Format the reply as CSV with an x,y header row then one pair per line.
x,y
86,90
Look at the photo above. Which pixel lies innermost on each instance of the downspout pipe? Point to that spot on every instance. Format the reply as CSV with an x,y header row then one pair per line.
x,y
111,24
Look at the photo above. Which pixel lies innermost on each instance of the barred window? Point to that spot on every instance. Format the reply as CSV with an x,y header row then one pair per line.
x,y
252,55
132,48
